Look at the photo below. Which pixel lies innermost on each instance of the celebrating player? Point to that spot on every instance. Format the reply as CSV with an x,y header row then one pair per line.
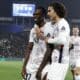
x,y
60,40
75,53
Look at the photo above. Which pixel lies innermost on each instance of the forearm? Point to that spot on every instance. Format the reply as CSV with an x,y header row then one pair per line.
x,y
58,40
47,57
27,53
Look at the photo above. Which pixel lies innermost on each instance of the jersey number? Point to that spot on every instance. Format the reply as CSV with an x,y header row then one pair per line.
x,y
28,76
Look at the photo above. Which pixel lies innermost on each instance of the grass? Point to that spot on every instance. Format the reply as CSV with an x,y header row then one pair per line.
x,y
11,70
69,75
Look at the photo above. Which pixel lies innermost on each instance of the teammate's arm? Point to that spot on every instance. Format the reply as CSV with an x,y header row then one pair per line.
x,y
46,59
60,39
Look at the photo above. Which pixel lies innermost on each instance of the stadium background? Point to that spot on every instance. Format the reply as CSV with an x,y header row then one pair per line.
x,y
14,33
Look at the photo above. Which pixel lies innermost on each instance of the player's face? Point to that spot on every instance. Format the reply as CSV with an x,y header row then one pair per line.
x,y
37,14
75,31
51,13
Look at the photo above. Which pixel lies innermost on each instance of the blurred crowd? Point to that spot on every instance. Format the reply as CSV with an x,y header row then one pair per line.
x,y
13,44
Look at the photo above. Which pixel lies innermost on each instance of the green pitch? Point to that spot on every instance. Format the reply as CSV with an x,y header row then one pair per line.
x,y
11,70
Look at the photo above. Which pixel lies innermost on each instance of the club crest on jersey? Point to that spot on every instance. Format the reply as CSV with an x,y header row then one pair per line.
x,y
48,35
36,40
63,28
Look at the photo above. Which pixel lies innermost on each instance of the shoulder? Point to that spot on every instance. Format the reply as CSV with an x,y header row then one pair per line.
x,y
48,23
32,30
46,26
64,25
71,37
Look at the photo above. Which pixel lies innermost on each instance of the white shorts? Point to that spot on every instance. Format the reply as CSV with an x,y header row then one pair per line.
x,y
74,63
31,76
45,70
74,59
57,71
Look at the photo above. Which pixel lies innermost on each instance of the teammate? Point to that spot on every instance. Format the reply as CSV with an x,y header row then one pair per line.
x,y
37,46
60,40
75,53
35,49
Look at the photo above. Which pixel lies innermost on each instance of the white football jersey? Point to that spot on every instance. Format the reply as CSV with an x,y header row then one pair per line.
x,y
61,34
75,52
39,47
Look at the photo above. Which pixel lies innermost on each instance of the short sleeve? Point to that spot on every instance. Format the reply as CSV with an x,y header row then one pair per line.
x,y
31,36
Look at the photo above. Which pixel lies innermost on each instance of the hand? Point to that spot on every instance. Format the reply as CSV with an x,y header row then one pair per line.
x,y
38,75
46,39
71,46
23,72
39,33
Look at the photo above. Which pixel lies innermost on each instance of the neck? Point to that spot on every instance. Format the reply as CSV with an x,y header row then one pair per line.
x,y
56,19
42,24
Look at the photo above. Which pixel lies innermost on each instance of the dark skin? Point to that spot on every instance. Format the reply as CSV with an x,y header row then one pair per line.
x,y
28,51
40,20
46,60
54,17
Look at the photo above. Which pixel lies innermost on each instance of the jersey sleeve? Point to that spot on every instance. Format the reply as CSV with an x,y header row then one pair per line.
x,y
31,36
